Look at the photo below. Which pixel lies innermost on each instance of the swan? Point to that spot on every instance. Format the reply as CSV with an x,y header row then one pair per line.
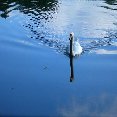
x,y
75,47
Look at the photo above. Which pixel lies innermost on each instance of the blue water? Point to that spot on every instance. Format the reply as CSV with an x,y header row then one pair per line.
x,y
35,67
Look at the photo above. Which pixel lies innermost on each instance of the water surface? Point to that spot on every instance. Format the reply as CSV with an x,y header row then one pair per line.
x,y
35,67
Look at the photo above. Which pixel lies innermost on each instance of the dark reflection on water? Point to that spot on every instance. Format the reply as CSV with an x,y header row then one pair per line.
x,y
35,7
111,2
39,12
71,69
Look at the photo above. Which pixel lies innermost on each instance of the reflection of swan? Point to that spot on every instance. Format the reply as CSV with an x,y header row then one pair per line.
x,y
75,47
71,69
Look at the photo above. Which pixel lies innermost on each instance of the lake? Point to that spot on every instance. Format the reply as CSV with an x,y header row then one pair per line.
x,y
35,66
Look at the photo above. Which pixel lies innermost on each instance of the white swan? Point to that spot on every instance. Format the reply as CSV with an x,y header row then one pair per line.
x,y
75,47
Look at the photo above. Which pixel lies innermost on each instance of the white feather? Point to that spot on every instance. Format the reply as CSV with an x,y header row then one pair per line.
x,y
76,47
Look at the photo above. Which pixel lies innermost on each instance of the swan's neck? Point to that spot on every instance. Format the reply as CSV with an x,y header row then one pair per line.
x,y
71,45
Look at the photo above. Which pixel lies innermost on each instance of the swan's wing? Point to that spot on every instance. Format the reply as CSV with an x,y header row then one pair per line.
x,y
77,49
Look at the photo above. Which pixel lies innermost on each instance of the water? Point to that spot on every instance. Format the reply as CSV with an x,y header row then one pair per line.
x,y
37,76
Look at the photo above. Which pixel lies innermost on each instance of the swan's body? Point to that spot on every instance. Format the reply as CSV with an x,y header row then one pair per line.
x,y
75,47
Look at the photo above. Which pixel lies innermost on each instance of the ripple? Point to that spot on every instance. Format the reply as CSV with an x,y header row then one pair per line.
x,y
49,22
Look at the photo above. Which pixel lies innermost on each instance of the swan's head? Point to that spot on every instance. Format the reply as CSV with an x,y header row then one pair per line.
x,y
71,36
